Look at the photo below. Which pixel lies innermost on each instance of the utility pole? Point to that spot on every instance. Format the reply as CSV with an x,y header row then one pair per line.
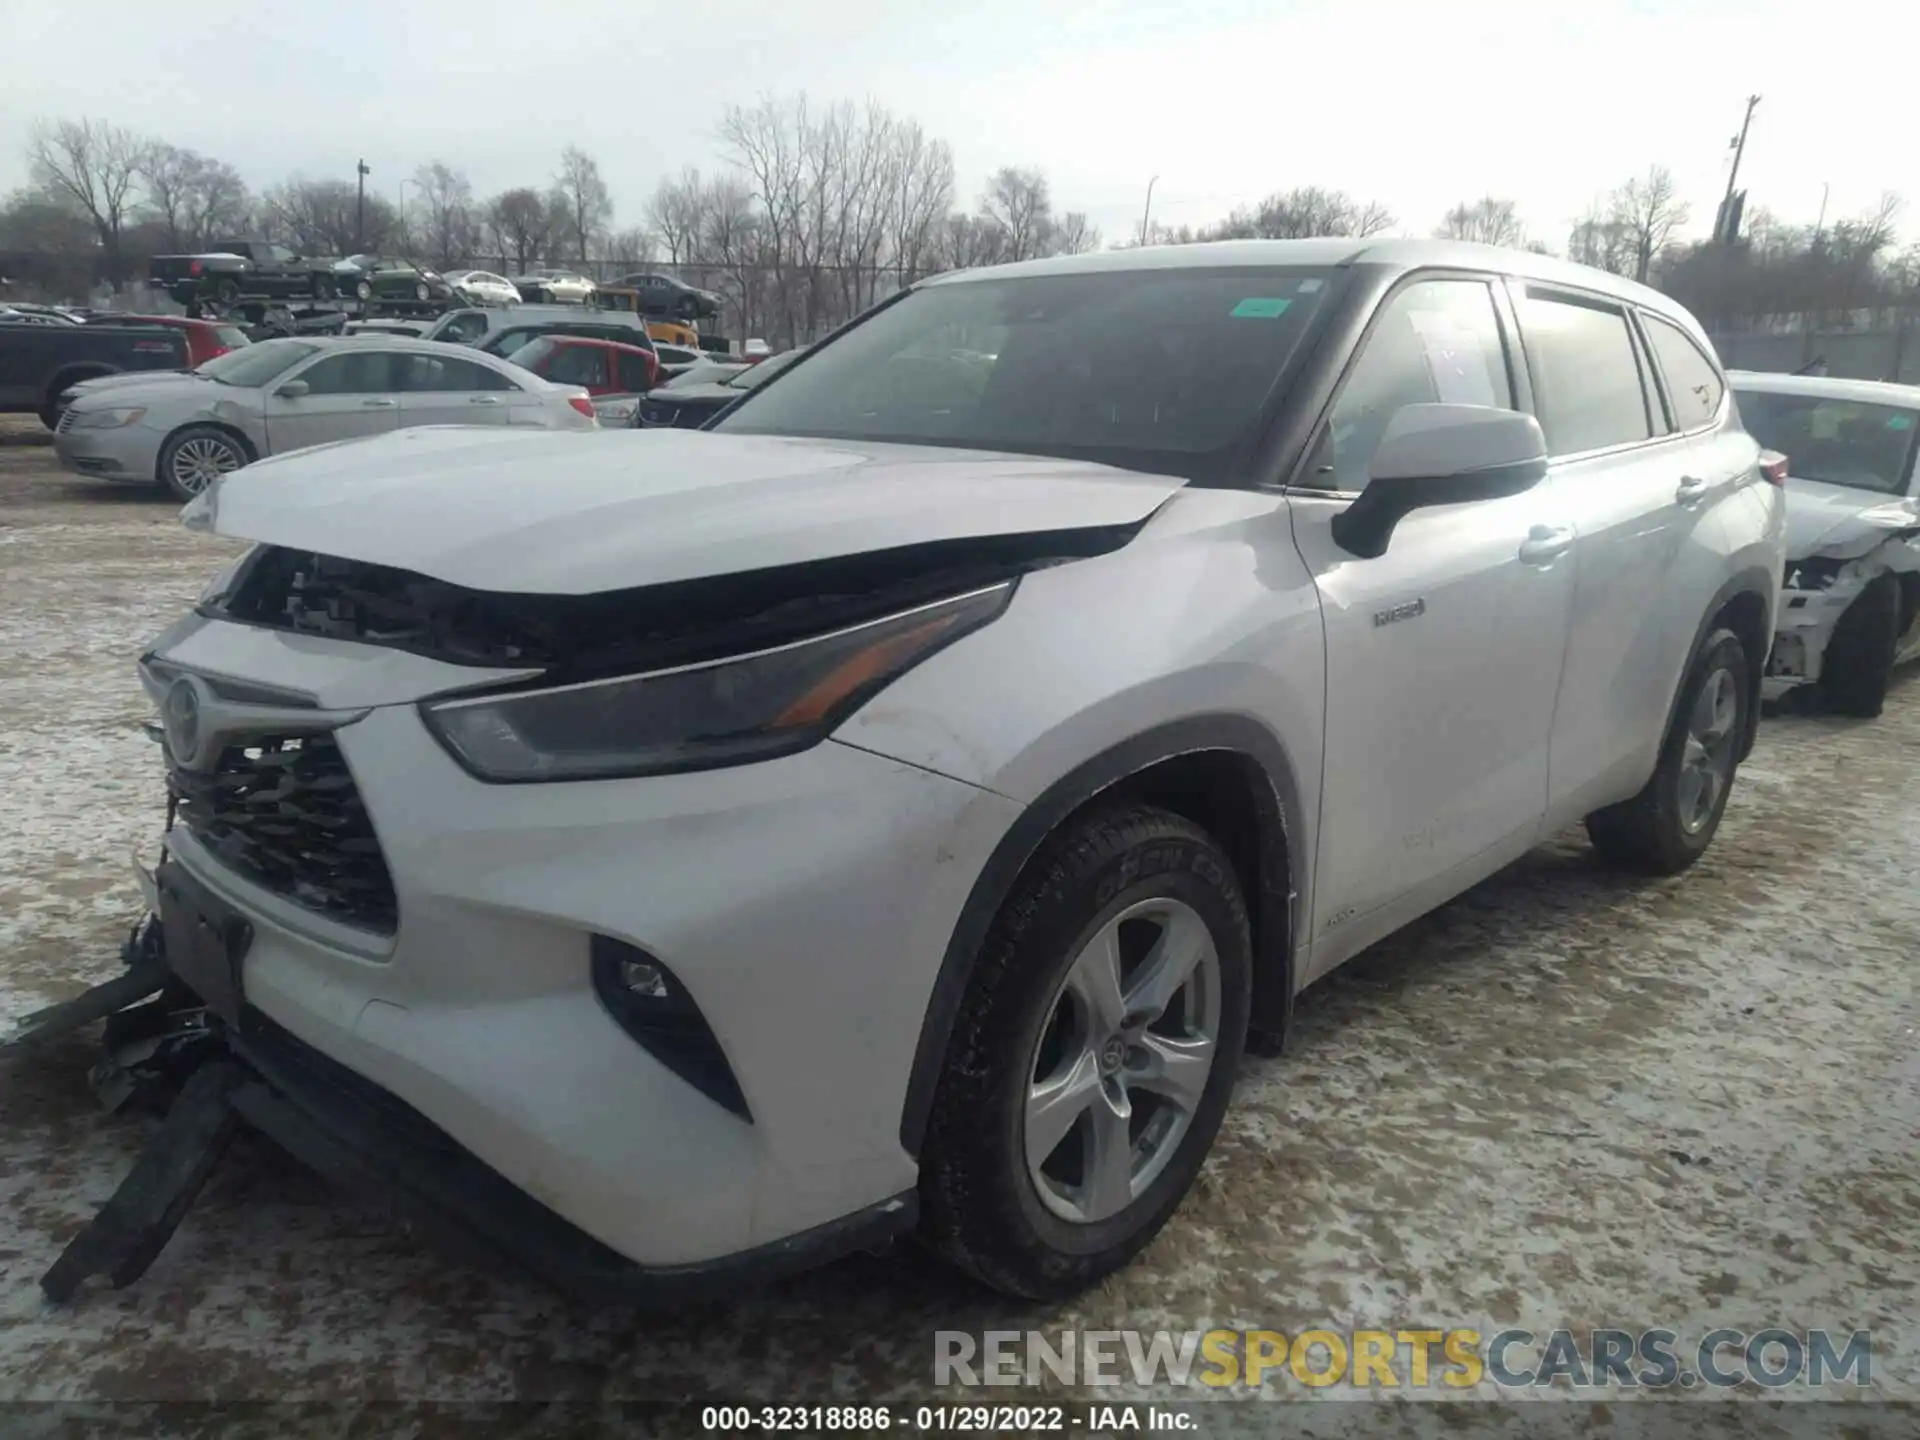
x,y
1820,225
1729,221
1144,214
360,210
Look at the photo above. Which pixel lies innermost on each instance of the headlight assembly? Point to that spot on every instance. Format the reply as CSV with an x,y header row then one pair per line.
x,y
697,717
106,419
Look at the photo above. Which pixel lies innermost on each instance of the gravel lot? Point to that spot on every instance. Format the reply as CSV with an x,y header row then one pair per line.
x,y
1565,1100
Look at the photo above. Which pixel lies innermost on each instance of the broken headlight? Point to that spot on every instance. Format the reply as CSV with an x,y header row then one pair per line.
x,y
696,717
1816,573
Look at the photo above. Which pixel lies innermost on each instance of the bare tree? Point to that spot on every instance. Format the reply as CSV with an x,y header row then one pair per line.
x,y
195,199
1302,212
921,183
447,225
589,207
320,217
1602,239
93,166
517,220
676,213
1650,210
1489,220
630,248
1073,235
1020,202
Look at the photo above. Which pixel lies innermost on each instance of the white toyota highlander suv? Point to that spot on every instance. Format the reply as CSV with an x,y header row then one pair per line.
x,y
669,858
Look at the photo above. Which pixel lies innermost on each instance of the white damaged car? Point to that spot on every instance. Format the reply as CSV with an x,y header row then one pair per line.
x,y
1850,611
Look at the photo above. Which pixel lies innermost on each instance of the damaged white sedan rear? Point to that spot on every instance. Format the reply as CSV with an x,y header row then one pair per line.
x,y
1850,610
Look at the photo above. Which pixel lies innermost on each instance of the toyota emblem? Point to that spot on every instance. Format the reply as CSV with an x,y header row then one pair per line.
x,y
180,719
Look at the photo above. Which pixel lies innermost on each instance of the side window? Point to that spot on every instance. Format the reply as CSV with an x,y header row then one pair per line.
x,y
579,365
1694,382
443,373
360,372
509,341
465,329
1586,374
633,373
1434,342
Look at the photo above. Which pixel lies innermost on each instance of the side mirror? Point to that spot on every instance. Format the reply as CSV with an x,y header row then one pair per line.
x,y
292,390
1440,455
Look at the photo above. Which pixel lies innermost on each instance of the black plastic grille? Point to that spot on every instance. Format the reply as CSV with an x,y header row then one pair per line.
x,y
284,812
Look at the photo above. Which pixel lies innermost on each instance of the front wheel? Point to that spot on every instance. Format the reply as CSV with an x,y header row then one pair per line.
x,y
227,292
323,287
1858,665
1093,1055
193,458
1670,823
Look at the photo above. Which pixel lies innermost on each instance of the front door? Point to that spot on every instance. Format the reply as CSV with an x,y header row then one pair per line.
x,y
1443,654
350,394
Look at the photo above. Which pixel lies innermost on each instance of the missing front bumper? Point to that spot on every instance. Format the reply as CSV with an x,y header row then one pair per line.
x,y
363,1137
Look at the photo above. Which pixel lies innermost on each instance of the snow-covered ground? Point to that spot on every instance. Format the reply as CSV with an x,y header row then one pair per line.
x,y
1567,1099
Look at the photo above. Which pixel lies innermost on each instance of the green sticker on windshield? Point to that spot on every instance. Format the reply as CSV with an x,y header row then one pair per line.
x,y
1260,308
1900,422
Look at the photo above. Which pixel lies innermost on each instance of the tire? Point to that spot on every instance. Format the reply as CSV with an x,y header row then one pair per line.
x,y
363,290
1859,661
1670,823
50,407
422,294
324,288
1049,1231
203,443
227,291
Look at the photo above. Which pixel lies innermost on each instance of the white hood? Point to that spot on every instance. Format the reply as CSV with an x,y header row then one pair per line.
x,y
1840,521
549,512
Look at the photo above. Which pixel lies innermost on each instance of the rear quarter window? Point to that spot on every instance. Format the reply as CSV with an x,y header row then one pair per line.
x,y
1694,382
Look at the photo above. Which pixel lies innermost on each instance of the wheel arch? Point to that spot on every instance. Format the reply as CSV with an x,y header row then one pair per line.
x,y
1744,605
1226,773
233,432
72,374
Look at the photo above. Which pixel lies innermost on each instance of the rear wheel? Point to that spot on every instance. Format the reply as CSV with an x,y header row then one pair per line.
x,y
363,290
421,293
1092,1058
323,287
193,458
1858,665
227,292
1670,823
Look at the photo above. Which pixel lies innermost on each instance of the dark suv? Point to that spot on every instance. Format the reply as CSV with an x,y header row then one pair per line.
x,y
501,331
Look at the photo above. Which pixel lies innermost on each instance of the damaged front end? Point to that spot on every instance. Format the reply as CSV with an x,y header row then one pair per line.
x,y
1820,586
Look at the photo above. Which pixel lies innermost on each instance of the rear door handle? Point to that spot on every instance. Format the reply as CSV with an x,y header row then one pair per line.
x,y
1545,544
1692,490
378,403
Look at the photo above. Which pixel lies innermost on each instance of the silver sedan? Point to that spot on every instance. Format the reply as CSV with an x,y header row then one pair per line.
x,y
183,430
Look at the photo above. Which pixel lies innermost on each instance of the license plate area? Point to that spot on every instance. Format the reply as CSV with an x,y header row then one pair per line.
x,y
206,939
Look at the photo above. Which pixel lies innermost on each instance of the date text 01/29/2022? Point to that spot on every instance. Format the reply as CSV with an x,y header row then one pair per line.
x,y
940,1419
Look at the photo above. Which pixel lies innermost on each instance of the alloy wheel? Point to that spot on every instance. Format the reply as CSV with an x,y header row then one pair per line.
x,y
1122,1061
198,462
1706,762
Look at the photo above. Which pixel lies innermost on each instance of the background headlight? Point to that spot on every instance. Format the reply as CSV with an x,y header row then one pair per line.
x,y
106,419
726,712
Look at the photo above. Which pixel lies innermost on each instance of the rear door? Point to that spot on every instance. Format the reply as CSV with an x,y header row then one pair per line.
x,y
450,390
1443,654
1628,470
350,393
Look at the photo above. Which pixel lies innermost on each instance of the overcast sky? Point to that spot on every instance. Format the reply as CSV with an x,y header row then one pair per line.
x,y
1548,102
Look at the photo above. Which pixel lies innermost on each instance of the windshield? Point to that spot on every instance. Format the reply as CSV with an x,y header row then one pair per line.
x,y
1839,442
257,364
754,374
1149,369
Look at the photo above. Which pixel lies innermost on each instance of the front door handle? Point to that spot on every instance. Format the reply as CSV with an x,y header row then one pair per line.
x,y
379,402
483,400
1545,544
1692,490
